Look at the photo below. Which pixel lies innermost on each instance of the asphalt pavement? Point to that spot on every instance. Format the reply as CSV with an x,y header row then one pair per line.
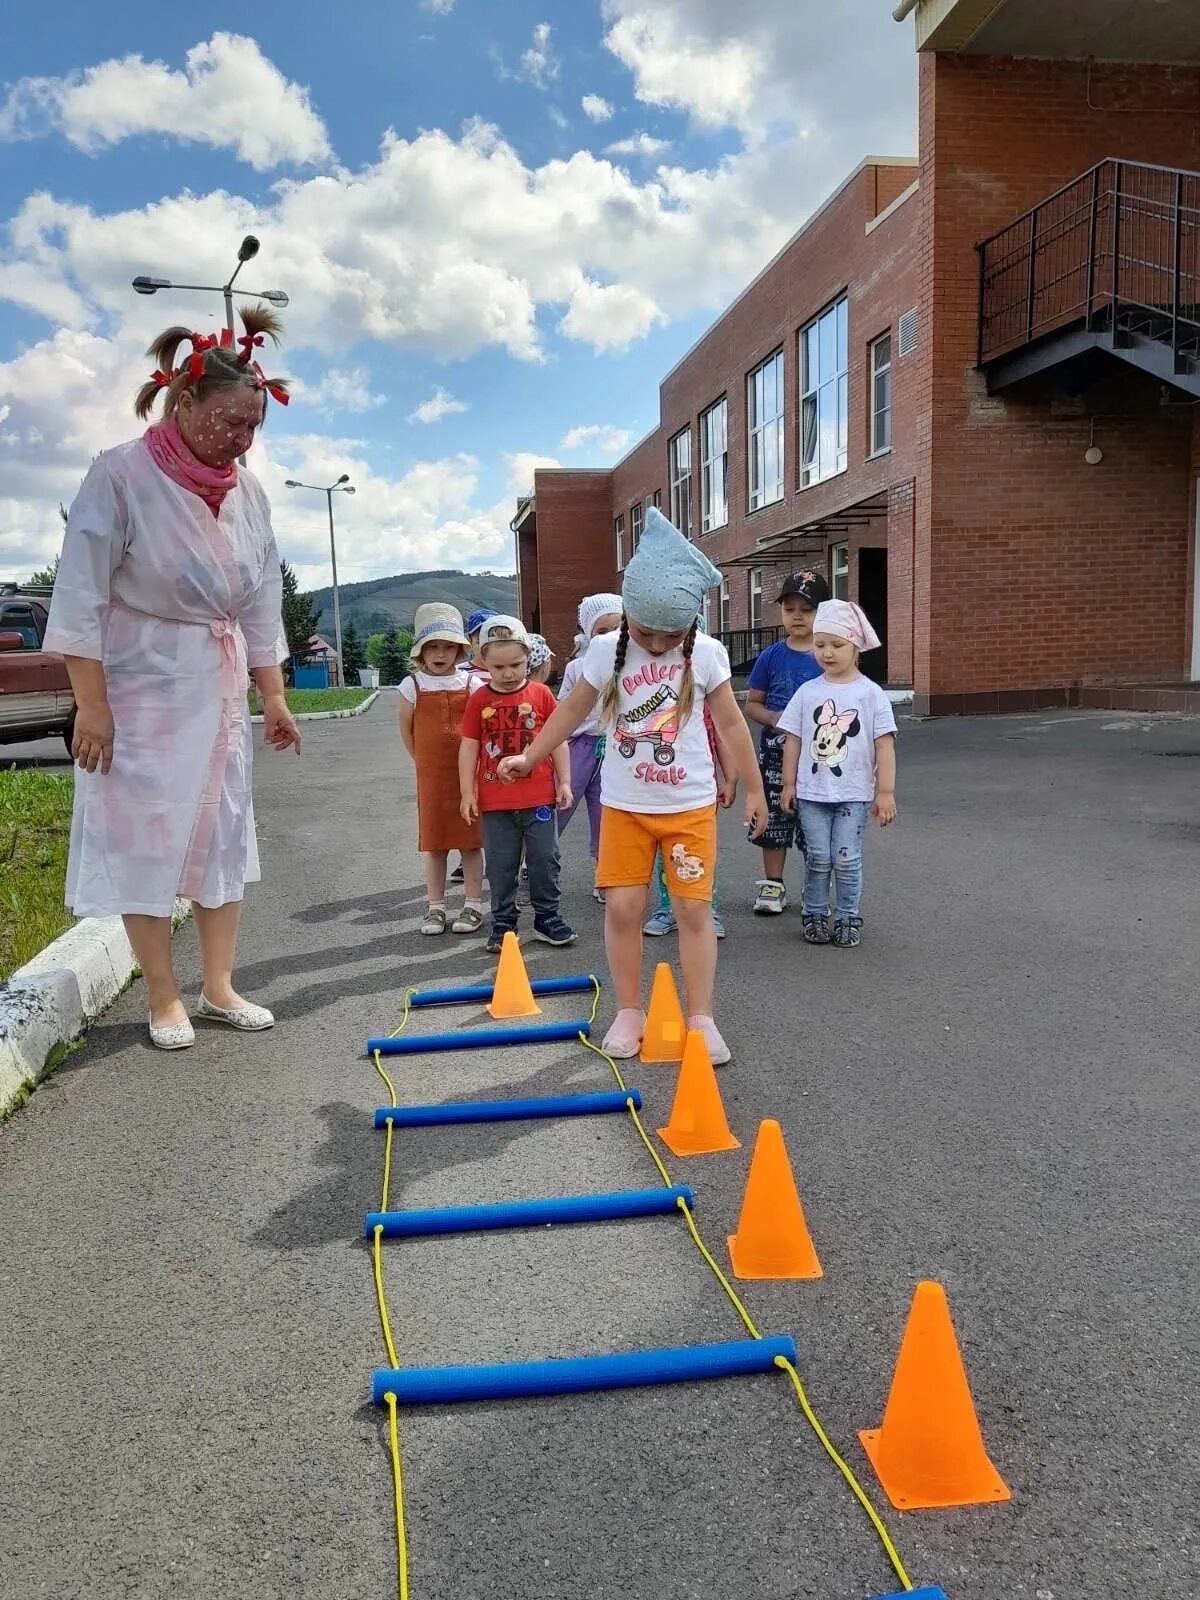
x,y
998,1090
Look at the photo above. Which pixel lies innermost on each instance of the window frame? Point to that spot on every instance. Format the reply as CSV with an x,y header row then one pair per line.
x,y
657,499
759,499
839,570
876,371
754,594
619,538
811,393
680,482
709,524
726,606
637,525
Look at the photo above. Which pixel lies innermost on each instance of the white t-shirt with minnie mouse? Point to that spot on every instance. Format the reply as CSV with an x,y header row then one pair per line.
x,y
837,725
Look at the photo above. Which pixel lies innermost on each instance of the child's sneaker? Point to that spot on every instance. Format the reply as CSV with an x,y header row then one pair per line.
x,y
816,930
718,1051
468,920
435,921
598,897
718,924
662,922
624,1039
771,900
553,930
847,933
457,875
496,940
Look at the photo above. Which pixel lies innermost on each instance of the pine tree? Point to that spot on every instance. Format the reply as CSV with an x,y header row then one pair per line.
x,y
393,664
353,655
299,618
44,578
375,649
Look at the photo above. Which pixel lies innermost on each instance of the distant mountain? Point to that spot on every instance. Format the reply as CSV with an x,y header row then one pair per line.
x,y
375,605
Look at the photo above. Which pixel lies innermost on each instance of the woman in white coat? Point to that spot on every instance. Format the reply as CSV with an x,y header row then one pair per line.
x,y
167,597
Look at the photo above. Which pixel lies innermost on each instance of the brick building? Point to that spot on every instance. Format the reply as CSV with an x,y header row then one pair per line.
x,y
966,388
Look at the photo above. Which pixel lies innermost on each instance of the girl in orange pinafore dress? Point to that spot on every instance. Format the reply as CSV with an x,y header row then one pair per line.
x,y
432,701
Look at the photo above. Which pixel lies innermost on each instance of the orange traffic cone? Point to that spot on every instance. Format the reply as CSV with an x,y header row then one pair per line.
x,y
698,1126
929,1451
772,1239
665,1027
512,996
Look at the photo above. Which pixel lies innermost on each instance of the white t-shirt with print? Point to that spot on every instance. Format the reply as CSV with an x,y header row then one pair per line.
x,y
594,723
651,761
429,684
837,725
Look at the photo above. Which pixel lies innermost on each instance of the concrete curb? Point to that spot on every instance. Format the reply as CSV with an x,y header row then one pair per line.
x,y
54,999
333,716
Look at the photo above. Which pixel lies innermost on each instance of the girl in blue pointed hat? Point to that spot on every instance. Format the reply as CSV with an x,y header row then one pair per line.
x,y
653,678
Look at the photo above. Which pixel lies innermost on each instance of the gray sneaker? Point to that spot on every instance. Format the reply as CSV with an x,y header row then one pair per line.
x,y
816,930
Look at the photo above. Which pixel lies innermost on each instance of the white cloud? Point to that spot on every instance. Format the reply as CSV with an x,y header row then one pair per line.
x,y
438,406
522,465
640,144
559,119
609,316
339,390
228,96
596,108
440,8
539,64
599,438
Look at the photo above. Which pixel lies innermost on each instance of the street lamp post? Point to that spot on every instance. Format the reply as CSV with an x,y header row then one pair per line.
x,y
343,486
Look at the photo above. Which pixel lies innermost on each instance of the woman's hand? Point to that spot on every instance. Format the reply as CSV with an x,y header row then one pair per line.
x,y
510,768
757,814
92,740
279,726
884,809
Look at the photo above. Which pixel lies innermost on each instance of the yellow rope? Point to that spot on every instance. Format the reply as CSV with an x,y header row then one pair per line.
x,y
385,1323
738,1304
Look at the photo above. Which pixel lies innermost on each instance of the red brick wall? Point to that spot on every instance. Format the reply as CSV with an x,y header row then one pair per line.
x,y
1023,550
636,478
574,548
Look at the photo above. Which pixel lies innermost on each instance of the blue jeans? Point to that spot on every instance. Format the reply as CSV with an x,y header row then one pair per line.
x,y
833,837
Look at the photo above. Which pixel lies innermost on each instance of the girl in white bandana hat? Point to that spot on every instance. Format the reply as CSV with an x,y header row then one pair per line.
x,y
658,783
598,614
839,767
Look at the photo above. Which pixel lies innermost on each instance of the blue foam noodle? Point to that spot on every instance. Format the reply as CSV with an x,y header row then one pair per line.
x,y
481,993
550,1105
528,1213
409,1044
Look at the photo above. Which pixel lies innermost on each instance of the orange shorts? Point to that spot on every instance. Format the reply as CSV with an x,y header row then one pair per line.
x,y
630,840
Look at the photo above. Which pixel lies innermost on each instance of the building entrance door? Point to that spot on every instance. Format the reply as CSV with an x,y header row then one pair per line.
x,y
873,598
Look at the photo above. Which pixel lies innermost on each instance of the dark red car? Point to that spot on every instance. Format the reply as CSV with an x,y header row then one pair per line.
x,y
35,692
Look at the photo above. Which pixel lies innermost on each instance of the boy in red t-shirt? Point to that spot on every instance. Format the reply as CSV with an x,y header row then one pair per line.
x,y
502,719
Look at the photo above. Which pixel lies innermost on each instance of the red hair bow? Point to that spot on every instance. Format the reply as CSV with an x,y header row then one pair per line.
x,y
163,380
249,343
275,390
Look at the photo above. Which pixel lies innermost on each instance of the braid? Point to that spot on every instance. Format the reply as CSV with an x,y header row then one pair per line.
x,y
687,684
612,690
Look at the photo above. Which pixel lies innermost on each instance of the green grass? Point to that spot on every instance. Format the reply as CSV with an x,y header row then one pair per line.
x,y
319,699
35,827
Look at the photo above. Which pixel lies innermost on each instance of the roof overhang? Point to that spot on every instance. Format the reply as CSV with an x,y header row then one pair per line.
x,y
1103,30
526,512
806,540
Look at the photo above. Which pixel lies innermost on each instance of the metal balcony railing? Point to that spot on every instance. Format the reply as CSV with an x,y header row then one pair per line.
x,y
1118,249
745,645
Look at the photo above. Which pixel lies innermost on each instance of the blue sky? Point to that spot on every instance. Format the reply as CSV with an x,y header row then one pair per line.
x,y
527,210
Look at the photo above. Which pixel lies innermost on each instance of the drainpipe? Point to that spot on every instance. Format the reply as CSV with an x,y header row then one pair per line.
x,y
904,9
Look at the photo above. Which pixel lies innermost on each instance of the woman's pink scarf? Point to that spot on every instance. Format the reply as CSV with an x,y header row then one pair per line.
x,y
173,456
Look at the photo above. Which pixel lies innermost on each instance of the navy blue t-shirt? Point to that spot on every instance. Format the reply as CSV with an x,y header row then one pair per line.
x,y
779,672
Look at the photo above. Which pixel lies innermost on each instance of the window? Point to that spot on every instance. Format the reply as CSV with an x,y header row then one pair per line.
x,y
726,606
619,531
21,619
658,499
840,567
880,435
681,481
764,426
909,332
824,389
755,606
637,518
714,463
706,611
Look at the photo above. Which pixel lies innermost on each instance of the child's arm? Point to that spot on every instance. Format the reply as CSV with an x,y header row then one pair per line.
x,y
884,809
792,747
560,725
756,709
408,714
562,774
468,765
725,773
732,730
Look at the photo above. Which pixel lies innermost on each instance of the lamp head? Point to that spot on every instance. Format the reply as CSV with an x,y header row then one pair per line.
x,y
143,285
248,248
290,483
274,297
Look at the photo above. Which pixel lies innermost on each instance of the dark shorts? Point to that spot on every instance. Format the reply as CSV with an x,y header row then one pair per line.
x,y
783,829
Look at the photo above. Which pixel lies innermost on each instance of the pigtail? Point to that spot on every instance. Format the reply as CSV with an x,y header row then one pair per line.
x,y
612,690
162,352
687,684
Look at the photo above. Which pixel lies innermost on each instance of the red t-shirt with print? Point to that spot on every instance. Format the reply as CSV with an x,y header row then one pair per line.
x,y
506,725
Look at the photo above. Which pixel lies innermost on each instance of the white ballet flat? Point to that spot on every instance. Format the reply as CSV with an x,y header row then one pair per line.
x,y
178,1036
245,1018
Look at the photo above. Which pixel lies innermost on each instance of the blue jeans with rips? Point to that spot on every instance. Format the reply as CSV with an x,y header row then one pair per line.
x,y
833,835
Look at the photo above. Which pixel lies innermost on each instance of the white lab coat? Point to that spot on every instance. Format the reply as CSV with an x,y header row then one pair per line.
x,y
177,603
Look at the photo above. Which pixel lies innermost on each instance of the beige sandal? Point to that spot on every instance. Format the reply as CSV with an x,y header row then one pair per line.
x,y
468,920
435,921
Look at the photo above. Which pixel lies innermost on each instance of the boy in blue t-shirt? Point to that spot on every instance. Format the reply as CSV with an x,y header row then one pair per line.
x,y
778,673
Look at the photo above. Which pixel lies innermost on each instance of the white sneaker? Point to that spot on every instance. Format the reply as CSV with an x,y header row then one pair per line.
x,y
771,900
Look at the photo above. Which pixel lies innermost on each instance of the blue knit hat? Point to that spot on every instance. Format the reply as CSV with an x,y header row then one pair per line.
x,y
667,579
